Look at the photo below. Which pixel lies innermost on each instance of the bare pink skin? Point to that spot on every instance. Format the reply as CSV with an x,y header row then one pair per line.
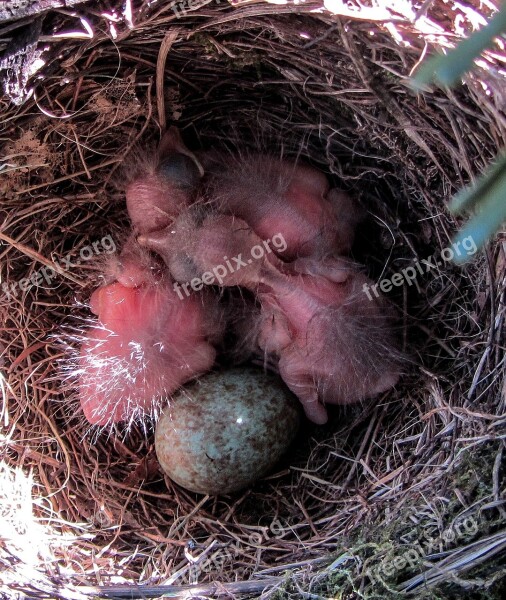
x,y
275,196
165,187
133,267
340,350
197,243
332,343
148,343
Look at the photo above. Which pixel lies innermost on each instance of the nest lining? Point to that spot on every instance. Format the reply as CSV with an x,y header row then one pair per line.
x,y
83,511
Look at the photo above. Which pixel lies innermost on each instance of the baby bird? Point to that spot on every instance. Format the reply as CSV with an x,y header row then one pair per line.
x,y
146,344
330,342
277,196
164,186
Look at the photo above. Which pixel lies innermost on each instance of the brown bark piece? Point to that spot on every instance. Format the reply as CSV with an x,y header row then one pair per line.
x,y
11,10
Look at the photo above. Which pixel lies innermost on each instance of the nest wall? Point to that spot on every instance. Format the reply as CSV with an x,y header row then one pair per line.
x,y
86,509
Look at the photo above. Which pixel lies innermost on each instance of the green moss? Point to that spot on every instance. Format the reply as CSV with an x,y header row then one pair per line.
x,y
384,555
202,39
239,61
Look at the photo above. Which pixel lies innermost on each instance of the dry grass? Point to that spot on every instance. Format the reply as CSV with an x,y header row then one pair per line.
x,y
80,511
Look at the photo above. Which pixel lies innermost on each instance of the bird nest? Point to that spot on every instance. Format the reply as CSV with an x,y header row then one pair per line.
x,y
401,495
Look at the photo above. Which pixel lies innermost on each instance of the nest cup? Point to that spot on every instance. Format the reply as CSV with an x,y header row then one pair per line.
x,y
400,495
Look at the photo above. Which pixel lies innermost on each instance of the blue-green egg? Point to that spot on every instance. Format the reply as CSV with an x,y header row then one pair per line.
x,y
223,432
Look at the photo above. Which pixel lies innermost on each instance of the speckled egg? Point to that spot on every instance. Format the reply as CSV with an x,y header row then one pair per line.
x,y
226,430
